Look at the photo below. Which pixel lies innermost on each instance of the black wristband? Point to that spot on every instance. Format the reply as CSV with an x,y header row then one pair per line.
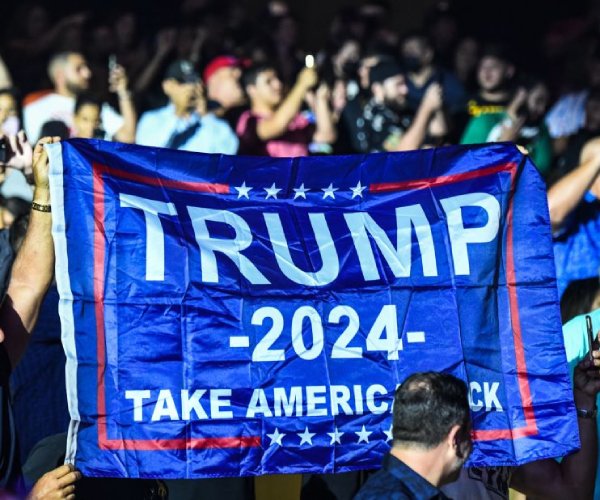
x,y
40,208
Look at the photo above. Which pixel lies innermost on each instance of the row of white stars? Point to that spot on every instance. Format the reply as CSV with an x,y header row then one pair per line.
x,y
306,436
299,192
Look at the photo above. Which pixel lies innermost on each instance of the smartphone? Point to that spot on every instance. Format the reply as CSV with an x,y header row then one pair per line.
x,y
309,60
112,62
3,150
590,334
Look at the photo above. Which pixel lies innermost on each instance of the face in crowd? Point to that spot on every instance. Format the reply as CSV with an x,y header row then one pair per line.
x,y
267,89
86,121
416,54
537,102
493,73
225,88
76,74
185,96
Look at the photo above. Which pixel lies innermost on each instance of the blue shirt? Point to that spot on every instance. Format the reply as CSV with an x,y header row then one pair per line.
x,y
577,245
208,134
397,481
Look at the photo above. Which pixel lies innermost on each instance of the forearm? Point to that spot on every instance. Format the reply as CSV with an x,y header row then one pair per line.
x,y
566,194
415,135
32,274
150,71
277,124
127,109
438,127
5,78
326,131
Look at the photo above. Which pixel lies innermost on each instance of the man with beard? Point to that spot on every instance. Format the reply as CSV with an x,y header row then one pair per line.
x,y
386,124
184,123
432,439
71,75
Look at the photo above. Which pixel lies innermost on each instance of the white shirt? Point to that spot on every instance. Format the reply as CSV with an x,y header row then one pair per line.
x,y
54,106
157,127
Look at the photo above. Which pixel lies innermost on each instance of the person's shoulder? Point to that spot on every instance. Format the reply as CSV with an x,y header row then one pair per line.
x,y
35,98
156,114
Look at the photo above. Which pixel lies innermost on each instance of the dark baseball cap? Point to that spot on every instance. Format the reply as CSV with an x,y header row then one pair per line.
x,y
183,71
384,70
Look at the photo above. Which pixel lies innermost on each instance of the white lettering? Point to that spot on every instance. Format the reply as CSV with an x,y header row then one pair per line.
x,y
231,248
155,240
138,403
460,236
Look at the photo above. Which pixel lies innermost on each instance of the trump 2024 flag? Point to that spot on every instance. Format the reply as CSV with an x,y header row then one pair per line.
x,y
233,316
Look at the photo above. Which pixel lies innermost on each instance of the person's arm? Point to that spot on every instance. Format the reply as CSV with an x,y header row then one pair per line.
x,y
165,42
33,268
511,126
58,483
118,84
5,78
414,136
325,131
567,193
575,475
276,124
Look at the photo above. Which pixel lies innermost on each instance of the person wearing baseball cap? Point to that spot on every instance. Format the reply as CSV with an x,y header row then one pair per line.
x,y
224,91
386,124
183,123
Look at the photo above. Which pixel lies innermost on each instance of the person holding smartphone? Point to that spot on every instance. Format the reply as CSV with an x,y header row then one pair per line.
x,y
274,125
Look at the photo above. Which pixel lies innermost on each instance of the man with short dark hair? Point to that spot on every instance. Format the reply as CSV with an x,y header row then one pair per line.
x,y
274,125
432,439
71,75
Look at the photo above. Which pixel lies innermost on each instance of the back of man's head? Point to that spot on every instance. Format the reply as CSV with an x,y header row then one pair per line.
x,y
426,407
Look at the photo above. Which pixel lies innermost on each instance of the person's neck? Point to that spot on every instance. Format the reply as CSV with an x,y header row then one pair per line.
x,y
182,112
494,95
262,109
64,91
425,462
421,77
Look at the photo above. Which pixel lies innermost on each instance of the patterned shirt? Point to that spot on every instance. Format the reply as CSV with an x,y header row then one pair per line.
x,y
379,128
397,481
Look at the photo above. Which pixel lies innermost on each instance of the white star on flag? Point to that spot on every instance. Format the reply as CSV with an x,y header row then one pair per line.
x,y
276,437
243,190
306,437
328,191
301,192
363,435
389,434
272,191
357,190
335,436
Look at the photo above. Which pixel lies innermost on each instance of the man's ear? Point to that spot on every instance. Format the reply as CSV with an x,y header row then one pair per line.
x,y
453,439
428,56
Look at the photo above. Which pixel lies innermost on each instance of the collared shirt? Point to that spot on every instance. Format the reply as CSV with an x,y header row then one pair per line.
x,y
208,134
397,481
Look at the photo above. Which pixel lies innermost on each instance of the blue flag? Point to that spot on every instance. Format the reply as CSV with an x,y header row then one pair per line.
x,y
227,316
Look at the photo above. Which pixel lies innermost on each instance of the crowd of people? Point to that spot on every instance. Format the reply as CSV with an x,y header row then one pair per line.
x,y
215,82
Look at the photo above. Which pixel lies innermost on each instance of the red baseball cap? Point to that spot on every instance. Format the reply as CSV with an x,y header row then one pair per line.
x,y
220,62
